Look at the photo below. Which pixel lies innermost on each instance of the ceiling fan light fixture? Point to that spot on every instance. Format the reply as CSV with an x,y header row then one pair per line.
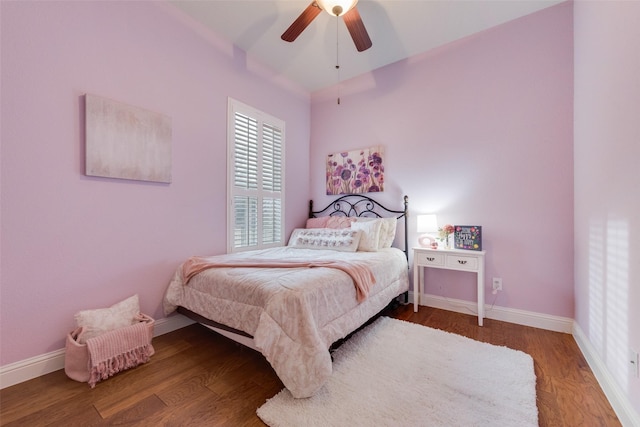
x,y
345,8
337,7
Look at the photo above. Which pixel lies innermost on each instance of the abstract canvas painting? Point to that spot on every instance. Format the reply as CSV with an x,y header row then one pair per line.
x,y
127,142
356,172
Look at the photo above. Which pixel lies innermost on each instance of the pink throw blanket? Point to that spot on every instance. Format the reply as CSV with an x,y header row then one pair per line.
x,y
361,274
118,350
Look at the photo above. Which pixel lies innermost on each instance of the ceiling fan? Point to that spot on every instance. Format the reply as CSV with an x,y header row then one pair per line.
x,y
345,8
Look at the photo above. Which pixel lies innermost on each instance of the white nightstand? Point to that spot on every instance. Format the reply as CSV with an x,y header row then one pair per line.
x,y
448,259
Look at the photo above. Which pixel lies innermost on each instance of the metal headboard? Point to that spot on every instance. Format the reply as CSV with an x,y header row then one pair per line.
x,y
356,205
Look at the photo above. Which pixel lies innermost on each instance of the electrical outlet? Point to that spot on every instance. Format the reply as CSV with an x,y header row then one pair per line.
x,y
633,363
497,284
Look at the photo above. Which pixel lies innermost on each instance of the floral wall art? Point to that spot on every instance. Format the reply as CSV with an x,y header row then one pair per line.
x,y
356,172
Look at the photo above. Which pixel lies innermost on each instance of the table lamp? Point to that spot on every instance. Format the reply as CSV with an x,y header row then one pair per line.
x,y
427,224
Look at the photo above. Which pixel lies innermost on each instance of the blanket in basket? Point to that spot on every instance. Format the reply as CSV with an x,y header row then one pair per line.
x,y
118,350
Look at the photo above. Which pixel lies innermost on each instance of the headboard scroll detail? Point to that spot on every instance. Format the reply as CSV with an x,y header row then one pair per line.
x,y
356,205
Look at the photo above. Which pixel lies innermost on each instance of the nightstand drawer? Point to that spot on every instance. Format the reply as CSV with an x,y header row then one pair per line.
x,y
423,258
462,262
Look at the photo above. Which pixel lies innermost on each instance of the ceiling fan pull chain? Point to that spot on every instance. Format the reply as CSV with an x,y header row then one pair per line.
x,y
337,56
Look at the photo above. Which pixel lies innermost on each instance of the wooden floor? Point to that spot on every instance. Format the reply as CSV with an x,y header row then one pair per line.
x,y
199,378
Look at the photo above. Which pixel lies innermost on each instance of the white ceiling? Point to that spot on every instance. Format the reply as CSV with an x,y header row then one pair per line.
x,y
398,29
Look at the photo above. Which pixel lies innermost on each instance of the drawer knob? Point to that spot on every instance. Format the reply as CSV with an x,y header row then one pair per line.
x,y
430,258
461,261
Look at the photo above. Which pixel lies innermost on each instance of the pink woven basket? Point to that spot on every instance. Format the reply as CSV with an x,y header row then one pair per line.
x,y
76,358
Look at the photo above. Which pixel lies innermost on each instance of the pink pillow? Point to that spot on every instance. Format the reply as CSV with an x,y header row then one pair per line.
x,y
317,222
339,222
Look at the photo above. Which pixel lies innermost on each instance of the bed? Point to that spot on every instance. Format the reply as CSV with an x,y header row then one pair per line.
x,y
292,303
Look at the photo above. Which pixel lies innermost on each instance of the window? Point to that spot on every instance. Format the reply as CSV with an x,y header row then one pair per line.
x,y
255,144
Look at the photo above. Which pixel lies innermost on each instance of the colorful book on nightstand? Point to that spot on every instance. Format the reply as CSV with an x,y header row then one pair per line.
x,y
468,237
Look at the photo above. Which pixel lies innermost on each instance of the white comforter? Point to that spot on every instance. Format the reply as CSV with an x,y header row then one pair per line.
x,y
294,314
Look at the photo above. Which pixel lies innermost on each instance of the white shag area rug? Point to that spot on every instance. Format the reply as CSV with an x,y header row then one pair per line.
x,y
396,373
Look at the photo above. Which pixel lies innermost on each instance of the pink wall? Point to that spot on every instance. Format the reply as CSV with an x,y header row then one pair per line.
x,y
71,242
607,199
480,132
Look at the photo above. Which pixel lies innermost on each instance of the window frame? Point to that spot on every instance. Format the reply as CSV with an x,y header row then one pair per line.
x,y
260,194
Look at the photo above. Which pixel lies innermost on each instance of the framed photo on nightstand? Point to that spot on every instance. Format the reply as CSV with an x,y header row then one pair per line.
x,y
468,237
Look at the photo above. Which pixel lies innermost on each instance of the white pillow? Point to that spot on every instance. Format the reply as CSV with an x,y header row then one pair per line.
x,y
370,234
97,322
387,232
337,239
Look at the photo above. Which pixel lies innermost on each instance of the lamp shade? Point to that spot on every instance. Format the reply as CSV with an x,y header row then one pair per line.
x,y
337,7
427,223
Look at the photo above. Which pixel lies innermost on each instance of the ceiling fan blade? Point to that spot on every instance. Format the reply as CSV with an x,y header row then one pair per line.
x,y
357,30
301,22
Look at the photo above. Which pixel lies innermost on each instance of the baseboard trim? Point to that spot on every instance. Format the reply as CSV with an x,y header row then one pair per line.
x,y
511,315
626,413
24,370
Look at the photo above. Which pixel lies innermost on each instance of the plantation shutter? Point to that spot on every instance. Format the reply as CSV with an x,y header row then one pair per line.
x,y
246,152
271,183
256,143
